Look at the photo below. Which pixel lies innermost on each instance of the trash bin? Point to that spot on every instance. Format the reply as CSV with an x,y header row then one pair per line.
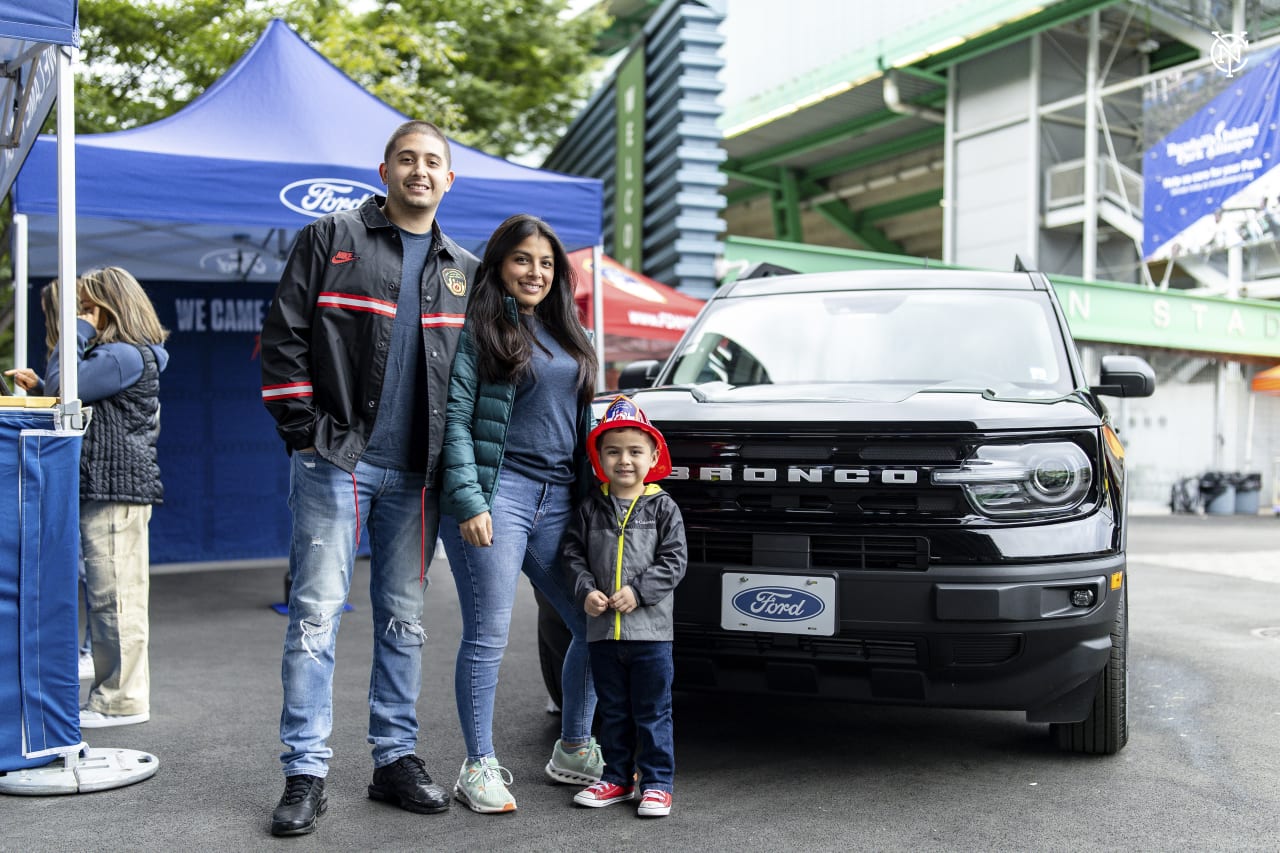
x,y
1248,489
1217,493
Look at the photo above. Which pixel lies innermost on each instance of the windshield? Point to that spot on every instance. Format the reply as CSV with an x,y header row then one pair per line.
x,y
1003,341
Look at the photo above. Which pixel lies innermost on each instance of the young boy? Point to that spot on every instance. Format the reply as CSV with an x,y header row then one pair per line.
x,y
625,551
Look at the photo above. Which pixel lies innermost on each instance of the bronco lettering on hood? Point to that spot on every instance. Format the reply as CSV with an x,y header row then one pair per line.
x,y
793,474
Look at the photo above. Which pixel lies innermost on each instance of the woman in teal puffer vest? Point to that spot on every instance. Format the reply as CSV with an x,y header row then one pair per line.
x,y
515,429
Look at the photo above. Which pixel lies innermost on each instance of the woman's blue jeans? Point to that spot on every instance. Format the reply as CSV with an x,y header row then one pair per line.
x,y
529,519
398,517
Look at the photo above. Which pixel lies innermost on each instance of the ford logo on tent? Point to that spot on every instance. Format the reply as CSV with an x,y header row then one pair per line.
x,y
778,604
318,196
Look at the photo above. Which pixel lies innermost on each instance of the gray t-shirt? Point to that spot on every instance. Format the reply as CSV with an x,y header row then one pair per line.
x,y
543,430
400,428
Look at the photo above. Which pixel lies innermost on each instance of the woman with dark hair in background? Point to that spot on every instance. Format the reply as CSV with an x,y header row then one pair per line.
x,y
515,431
120,354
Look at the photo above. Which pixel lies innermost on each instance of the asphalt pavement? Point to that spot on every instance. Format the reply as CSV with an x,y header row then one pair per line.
x,y
753,773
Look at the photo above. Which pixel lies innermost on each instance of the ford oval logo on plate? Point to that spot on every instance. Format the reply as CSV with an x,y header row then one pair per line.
x,y
777,604
318,196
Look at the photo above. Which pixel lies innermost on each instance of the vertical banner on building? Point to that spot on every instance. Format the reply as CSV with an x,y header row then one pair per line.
x,y
1213,182
628,191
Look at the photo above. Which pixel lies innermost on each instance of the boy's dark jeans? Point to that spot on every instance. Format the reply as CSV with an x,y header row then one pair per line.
x,y
633,689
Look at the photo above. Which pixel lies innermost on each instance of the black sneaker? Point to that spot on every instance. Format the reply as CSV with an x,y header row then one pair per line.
x,y
405,783
300,806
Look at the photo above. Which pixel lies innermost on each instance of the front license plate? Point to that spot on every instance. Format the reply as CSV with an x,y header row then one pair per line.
x,y
780,604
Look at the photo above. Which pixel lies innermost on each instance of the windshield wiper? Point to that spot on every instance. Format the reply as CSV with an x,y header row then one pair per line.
x,y
989,393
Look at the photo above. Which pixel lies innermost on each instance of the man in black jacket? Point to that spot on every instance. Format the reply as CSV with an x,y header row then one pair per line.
x,y
356,353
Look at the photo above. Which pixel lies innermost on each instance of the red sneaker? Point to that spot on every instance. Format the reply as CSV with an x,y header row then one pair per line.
x,y
604,794
655,803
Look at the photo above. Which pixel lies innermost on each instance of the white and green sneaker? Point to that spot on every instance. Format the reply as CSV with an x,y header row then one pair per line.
x,y
580,766
482,787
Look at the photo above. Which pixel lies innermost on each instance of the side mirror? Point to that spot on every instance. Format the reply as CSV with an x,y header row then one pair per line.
x,y
638,374
1125,376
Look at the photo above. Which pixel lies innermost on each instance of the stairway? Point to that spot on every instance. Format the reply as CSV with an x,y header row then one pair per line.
x,y
1119,195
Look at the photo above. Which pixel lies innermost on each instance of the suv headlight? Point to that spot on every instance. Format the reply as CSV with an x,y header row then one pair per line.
x,y
1023,479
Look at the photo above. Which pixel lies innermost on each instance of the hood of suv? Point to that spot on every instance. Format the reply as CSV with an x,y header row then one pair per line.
x,y
907,408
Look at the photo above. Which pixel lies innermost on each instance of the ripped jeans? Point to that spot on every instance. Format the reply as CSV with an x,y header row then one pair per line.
x,y
396,516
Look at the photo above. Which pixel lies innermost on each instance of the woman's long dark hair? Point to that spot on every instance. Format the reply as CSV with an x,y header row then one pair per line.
x,y
504,350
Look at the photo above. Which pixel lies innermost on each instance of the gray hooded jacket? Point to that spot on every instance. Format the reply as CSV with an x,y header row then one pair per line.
x,y
654,557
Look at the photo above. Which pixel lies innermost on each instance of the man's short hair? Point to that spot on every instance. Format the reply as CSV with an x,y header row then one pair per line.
x,y
417,126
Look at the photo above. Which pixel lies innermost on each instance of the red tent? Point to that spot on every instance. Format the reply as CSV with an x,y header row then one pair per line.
x,y
643,318
1264,382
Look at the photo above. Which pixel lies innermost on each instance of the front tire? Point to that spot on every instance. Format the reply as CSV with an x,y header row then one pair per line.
x,y
1106,730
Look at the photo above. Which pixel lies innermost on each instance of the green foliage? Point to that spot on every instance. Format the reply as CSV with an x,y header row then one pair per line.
x,y
504,76
142,60
521,68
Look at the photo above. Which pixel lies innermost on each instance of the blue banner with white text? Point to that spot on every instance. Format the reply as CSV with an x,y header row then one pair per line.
x,y
1212,183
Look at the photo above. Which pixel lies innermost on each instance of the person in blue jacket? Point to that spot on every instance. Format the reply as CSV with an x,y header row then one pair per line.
x,y
515,438
119,357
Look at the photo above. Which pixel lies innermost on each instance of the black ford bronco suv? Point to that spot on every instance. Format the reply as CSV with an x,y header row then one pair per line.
x,y
898,487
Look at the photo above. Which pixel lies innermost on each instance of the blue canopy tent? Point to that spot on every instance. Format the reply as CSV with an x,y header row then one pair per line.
x,y
40,460
36,42
283,137
202,207
31,40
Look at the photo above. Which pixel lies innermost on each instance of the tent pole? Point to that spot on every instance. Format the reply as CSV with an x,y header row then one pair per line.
x,y
597,311
20,291
69,303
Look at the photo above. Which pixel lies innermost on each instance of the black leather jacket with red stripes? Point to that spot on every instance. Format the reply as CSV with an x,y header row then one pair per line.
x,y
326,335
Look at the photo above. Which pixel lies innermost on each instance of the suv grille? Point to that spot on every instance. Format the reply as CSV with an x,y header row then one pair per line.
x,y
883,650
884,553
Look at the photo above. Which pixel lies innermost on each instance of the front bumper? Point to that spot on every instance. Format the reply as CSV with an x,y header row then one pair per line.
x,y
992,637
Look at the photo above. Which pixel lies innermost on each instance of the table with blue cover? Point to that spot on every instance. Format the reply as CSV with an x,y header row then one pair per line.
x,y
39,535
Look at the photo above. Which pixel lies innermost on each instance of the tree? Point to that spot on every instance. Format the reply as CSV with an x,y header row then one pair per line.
x,y
504,76
501,75
522,68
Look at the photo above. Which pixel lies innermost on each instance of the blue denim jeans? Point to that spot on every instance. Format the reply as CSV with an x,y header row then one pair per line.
x,y
330,509
529,519
633,679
